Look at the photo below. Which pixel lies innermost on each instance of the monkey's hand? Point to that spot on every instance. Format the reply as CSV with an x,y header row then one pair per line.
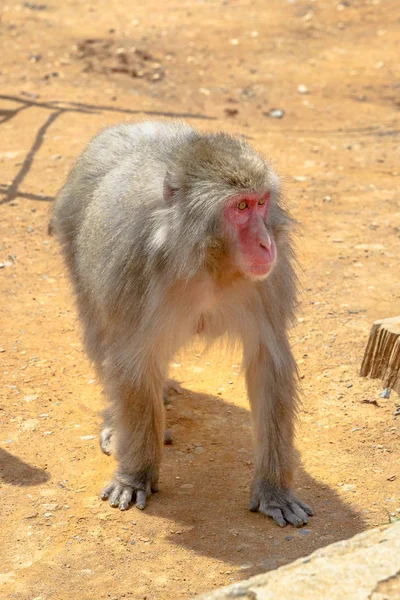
x,y
123,488
278,503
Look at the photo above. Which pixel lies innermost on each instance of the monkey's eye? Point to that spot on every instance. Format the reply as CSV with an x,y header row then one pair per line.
x,y
261,201
242,205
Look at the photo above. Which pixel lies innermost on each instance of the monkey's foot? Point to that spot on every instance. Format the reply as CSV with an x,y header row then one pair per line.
x,y
278,503
105,440
170,385
168,439
123,488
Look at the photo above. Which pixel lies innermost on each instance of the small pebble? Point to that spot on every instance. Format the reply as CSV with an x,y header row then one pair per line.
x,y
386,393
369,401
88,437
304,531
349,487
276,113
50,506
369,247
30,397
29,425
288,538
302,89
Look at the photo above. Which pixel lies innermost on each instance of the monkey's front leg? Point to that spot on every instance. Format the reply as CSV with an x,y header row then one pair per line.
x,y
139,414
271,384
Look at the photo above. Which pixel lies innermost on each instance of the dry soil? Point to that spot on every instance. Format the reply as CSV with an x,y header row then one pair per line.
x,y
70,68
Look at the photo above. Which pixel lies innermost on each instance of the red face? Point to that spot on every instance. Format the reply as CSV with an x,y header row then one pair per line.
x,y
246,215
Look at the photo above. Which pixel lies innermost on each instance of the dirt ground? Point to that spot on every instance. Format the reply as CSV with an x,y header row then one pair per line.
x,y
70,68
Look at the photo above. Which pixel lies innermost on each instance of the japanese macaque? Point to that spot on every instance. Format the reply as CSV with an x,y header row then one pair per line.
x,y
170,233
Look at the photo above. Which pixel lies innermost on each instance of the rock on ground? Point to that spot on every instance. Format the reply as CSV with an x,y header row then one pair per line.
x,y
365,567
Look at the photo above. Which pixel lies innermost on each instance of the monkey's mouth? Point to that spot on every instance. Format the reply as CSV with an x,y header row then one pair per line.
x,y
259,270
261,264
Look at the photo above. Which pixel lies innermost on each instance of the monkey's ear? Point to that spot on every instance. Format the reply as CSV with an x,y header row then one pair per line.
x,y
169,190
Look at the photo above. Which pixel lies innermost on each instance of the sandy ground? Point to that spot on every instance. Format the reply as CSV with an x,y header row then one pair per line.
x,y
68,69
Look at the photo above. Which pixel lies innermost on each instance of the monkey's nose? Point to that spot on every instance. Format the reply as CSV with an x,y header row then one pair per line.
x,y
265,244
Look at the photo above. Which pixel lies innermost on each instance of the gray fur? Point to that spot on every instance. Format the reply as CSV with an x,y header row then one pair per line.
x,y
138,219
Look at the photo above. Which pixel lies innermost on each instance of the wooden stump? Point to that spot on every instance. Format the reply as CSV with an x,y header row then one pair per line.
x,y
382,354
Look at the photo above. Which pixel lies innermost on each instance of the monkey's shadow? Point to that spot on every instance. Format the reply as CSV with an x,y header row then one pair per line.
x,y
205,481
15,471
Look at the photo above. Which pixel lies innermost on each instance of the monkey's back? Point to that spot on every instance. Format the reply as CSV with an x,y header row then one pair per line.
x,y
120,148
96,215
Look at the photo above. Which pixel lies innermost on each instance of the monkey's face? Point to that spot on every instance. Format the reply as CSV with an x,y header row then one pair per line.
x,y
245,217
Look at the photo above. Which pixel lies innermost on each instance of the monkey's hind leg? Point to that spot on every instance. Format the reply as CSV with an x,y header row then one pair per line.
x,y
106,438
171,385
139,419
107,433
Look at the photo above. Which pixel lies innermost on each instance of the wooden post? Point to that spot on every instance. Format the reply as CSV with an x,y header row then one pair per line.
x,y
382,354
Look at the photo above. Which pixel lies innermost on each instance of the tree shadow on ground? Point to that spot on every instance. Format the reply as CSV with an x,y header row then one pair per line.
x,y
205,480
15,471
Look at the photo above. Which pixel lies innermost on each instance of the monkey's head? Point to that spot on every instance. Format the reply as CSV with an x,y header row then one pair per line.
x,y
245,221
227,196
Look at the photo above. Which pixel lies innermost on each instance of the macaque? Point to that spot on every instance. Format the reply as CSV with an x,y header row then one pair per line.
x,y
170,233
